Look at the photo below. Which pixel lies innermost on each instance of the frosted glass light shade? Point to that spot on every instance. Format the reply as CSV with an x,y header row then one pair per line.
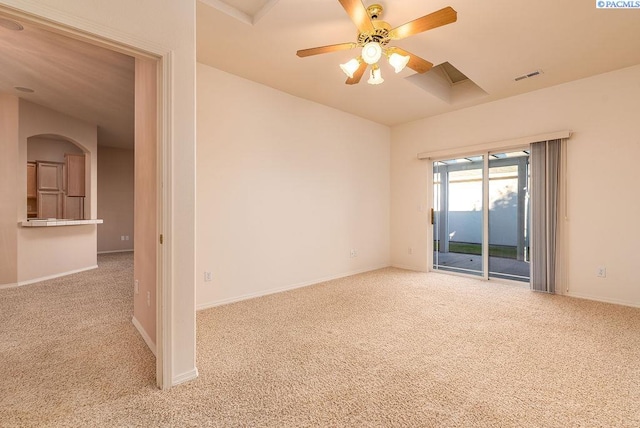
x,y
376,77
350,67
398,62
371,52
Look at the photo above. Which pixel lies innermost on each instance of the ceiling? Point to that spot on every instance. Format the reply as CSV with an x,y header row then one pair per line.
x,y
492,42
85,81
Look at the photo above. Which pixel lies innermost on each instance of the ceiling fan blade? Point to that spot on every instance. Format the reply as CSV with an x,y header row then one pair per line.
x,y
357,75
325,49
358,14
433,20
415,62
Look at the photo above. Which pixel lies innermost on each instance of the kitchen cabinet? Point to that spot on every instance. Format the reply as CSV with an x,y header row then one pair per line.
x,y
50,196
75,175
32,183
50,204
73,208
56,189
32,190
49,176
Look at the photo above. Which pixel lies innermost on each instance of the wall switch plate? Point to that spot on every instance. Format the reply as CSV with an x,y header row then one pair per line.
x,y
136,286
601,272
122,237
410,250
354,253
148,298
207,276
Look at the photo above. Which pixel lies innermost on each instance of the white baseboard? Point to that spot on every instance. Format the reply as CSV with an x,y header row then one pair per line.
x,y
601,299
203,306
185,377
407,267
144,335
116,251
9,285
57,275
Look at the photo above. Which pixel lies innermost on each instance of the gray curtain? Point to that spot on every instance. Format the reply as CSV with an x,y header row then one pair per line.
x,y
545,174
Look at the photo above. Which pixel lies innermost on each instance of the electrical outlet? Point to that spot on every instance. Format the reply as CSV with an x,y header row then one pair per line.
x,y
354,253
136,286
148,298
207,276
601,272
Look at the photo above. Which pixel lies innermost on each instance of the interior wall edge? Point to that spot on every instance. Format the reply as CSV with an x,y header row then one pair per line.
x,y
145,336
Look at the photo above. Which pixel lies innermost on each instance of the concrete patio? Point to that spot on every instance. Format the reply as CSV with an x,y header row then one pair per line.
x,y
499,267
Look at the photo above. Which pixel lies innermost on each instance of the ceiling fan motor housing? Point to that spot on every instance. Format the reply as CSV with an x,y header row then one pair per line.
x,y
381,32
375,11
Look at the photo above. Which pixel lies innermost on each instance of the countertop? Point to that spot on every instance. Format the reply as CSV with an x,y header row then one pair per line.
x,y
49,222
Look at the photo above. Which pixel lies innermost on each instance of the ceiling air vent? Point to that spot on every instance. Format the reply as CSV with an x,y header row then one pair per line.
x,y
528,75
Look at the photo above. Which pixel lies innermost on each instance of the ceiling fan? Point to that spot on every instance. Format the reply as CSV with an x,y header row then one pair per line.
x,y
374,36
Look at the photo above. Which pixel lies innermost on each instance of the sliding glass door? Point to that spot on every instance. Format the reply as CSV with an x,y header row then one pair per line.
x,y
509,215
481,215
458,215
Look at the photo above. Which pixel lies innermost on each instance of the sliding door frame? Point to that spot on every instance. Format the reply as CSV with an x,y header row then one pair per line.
x,y
485,210
490,147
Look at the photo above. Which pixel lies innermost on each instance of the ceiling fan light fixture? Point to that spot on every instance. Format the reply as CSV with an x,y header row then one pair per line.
x,y
374,36
371,52
350,67
376,77
398,62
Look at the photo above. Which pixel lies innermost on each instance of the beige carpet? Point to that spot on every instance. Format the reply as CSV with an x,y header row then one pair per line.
x,y
386,348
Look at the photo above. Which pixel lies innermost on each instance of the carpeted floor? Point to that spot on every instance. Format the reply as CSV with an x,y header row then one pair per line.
x,y
385,348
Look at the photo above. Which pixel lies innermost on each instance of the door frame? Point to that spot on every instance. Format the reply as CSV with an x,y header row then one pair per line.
x,y
461,151
485,212
485,168
107,38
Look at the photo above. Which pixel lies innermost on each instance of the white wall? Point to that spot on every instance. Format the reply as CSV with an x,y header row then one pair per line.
x,y
47,149
285,189
603,207
164,27
115,204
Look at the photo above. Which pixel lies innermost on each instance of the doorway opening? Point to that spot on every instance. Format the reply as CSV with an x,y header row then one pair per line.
x,y
152,112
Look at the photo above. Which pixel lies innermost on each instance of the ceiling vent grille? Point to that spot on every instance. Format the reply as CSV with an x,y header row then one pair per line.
x,y
528,75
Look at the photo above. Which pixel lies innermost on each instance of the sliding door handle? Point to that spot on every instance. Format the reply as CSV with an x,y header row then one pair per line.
x,y
433,216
